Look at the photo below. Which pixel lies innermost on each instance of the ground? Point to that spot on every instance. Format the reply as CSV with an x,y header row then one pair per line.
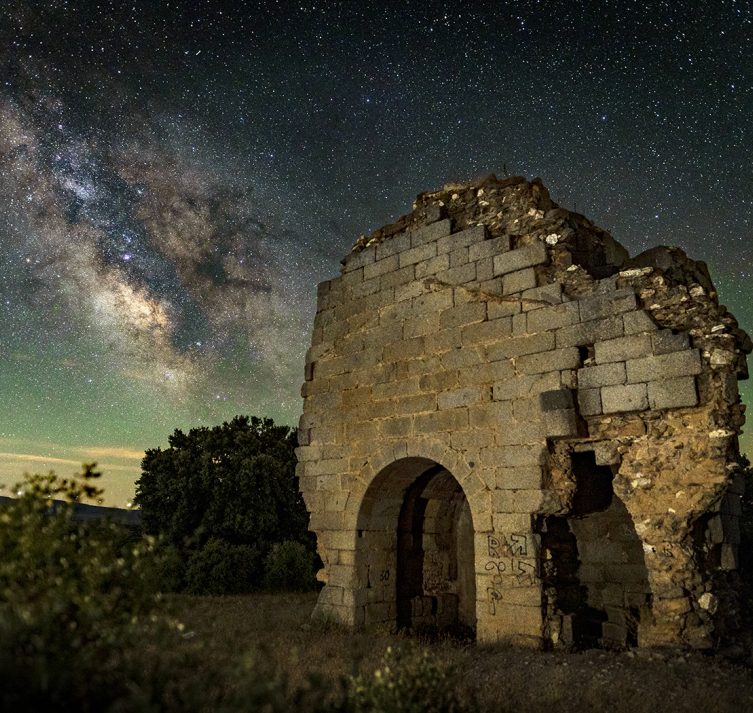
x,y
501,678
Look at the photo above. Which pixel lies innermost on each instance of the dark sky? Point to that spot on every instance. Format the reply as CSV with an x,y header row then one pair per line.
x,y
176,177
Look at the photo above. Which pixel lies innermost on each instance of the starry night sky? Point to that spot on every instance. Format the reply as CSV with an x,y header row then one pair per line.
x,y
176,177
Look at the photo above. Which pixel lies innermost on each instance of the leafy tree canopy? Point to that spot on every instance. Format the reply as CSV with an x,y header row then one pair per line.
x,y
235,482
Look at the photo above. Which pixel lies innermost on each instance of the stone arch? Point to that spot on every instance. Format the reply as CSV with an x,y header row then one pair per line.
x,y
415,549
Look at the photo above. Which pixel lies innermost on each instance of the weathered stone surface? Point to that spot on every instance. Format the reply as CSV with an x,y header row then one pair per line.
x,y
564,416
672,393
622,349
430,232
631,397
518,281
556,400
664,366
520,258
602,375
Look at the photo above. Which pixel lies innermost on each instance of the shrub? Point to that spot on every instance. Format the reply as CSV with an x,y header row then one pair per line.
x,y
408,680
220,567
289,566
76,601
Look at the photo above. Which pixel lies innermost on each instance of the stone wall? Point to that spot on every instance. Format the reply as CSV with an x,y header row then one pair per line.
x,y
493,382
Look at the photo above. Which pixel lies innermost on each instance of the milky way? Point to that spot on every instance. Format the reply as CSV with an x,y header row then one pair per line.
x,y
175,178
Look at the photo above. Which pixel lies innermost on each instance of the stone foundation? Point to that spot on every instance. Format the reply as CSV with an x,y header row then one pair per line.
x,y
511,426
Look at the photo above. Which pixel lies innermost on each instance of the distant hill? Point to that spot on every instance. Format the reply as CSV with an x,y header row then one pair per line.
x,y
84,513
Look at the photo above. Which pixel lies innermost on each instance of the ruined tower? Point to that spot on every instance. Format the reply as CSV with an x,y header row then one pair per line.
x,y
513,427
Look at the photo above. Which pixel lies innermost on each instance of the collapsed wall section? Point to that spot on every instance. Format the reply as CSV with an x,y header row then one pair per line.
x,y
585,403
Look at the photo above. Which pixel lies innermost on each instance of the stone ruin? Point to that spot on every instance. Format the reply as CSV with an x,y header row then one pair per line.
x,y
513,428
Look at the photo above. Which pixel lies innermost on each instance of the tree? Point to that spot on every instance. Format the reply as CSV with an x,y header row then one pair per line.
x,y
232,489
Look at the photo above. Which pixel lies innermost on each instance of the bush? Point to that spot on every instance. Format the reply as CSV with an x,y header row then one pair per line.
x,y
76,602
407,681
289,566
220,567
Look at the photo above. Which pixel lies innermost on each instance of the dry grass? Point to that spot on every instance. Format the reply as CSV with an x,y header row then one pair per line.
x,y
500,678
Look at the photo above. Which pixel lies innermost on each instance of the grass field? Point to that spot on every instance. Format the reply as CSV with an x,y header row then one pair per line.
x,y
275,630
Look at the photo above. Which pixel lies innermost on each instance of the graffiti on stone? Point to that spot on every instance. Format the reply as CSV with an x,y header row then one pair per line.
x,y
509,565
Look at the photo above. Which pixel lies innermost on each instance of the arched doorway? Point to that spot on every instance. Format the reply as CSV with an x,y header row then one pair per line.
x,y
414,551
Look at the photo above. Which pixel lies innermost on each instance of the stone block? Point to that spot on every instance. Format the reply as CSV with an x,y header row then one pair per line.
x,y
518,281
556,400
458,275
556,359
393,245
513,260
664,366
457,358
430,267
458,257
484,270
464,238
590,377
504,307
473,440
521,431
417,403
490,415
513,456
419,326
519,324
589,402
439,381
408,291
397,277
504,524
352,278
431,232
630,397
489,248
623,348
463,314
492,287
432,302
526,385
388,264
523,501
546,294
417,254
554,317
486,331
666,341
607,305
404,349
729,557
638,321
398,427
367,287
527,411
561,423
452,420
519,346
462,397
359,258
590,332
522,477
672,393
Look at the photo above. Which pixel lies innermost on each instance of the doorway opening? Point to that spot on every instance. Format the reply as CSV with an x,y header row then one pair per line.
x,y
415,550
